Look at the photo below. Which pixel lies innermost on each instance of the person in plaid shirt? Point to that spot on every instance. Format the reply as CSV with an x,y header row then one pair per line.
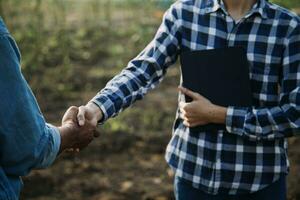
x,y
248,160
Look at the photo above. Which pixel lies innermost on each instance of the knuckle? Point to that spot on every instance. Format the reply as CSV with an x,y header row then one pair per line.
x,y
82,108
187,108
186,123
73,107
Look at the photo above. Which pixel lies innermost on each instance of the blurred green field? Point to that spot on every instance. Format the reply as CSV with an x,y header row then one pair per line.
x,y
70,49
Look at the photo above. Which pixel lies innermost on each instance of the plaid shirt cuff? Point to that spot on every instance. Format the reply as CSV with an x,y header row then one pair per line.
x,y
106,106
235,120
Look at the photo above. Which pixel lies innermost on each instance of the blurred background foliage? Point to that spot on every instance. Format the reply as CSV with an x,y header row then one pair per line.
x,y
57,36
288,3
70,49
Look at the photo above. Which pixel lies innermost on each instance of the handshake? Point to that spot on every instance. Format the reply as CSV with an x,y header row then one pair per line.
x,y
78,127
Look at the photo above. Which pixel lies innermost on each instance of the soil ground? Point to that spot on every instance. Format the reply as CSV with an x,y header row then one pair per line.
x,y
125,165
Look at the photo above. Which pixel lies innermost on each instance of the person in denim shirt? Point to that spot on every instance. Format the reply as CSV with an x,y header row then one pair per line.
x,y
26,141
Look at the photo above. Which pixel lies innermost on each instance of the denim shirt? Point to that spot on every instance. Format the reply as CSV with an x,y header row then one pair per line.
x,y
26,141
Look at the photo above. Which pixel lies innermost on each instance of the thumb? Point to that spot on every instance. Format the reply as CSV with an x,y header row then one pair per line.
x,y
70,114
81,116
188,92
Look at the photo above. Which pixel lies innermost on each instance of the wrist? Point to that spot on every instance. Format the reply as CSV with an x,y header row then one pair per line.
x,y
66,139
95,110
217,114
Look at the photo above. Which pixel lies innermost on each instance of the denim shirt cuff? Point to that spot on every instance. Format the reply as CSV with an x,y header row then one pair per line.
x,y
54,145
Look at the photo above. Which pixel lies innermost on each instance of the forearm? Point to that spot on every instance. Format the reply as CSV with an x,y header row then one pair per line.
x,y
257,124
264,123
217,114
145,71
280,121
130,85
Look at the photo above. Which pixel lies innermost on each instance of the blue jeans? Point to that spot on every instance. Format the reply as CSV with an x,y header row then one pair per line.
x,y
275,191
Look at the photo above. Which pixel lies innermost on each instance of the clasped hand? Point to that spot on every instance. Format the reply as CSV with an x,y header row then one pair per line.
x,y
200,111
79,123
78,127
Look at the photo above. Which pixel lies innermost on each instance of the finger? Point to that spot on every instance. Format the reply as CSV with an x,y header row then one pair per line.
x,y
193,125
81,116
70,114
188,118
182,116
188,115
90,123
186,108
188,92
181,109
186,123
182,104
70,150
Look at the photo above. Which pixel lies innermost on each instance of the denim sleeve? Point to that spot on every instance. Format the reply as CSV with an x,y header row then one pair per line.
x,y
26,141
52,148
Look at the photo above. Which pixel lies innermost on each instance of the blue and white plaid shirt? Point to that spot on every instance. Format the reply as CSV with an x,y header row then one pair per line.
x,y
252,153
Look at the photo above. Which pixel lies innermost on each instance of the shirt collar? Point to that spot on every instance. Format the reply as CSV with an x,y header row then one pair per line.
x,y
210,6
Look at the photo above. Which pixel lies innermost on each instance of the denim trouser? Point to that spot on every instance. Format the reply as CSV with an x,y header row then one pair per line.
x,y
275,191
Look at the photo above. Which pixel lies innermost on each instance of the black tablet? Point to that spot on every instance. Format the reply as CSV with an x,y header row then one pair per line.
x,y
221,75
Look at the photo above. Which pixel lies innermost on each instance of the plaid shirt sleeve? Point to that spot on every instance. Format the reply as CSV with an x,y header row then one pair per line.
x,y
145,71
283,120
